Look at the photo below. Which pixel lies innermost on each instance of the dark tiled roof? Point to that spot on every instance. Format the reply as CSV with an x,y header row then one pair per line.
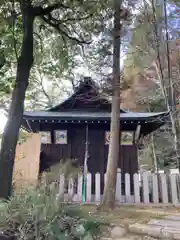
x,y
90,115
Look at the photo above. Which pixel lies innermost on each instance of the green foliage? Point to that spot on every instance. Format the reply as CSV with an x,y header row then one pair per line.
x,y
164,151
23,135
162,141
98,56
10,43
142,62
141,50
57,48
37,214
68,167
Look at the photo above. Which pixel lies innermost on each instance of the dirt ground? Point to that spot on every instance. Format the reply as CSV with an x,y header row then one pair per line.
x,y
126,215
130,214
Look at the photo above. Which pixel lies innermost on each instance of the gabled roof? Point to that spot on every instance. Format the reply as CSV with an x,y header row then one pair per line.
x,y
88,105
86,96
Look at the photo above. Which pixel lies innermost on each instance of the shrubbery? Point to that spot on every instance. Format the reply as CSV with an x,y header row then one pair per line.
x,y
37,214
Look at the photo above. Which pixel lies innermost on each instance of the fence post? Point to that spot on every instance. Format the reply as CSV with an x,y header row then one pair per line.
x,y
89,182
127,188
70,189
61,187
164,191
79,188
136,188
118,186
97,188
155,189
145,188
173,188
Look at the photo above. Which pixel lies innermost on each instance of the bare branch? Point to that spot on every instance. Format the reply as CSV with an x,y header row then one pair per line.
x,y
41,41
14,35
43,89
62,32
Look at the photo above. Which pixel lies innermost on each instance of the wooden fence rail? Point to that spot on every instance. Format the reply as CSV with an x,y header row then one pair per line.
x,y
144,188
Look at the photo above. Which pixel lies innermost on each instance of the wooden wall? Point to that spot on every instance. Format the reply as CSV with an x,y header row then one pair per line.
x,y
98,151
29,162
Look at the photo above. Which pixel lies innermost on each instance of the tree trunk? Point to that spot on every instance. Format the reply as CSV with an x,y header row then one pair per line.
x,y
11,133
113,156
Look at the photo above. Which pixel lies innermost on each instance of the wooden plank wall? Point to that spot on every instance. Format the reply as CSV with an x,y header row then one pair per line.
x,y
98,153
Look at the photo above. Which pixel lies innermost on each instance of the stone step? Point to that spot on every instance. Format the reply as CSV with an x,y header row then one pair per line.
x,y
173,217
165,223
155,231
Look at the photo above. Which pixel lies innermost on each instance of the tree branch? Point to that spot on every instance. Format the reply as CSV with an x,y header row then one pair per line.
x,y
41,41
14,39
57,27
43,89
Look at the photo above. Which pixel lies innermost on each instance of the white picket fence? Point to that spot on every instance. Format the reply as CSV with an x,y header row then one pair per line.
x,y
147,188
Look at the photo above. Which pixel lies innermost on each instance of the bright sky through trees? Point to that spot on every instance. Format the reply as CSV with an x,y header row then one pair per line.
x,y
2,121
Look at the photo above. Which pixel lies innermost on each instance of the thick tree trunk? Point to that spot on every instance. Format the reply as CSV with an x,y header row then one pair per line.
x,y
10,136
113,156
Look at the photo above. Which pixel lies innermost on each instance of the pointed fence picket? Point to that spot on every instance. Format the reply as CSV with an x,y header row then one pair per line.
x,y
136,188
150,188
97,188
173,187
164,188
61,187
145,188
79,188
89,183
127,187
118,186
155,191
70,188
